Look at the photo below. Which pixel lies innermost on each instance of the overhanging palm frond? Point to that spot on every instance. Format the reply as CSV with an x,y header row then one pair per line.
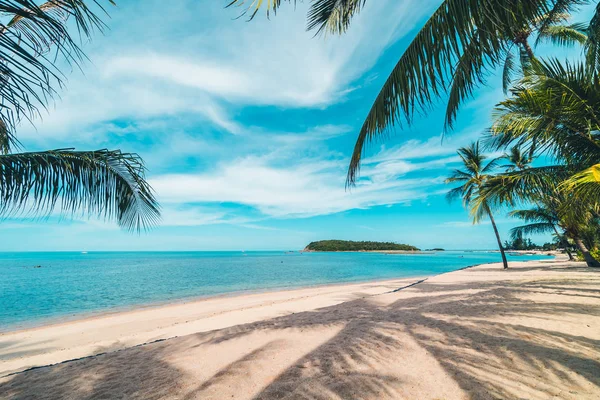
x,y
592,46
106,183
28,79
537,214
565,35
524,185
531,229
508,71
585,184
427,68
333,16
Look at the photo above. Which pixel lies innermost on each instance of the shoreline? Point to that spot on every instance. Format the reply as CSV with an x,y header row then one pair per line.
x,y
24,326
132,308
174,318
112,331
476,332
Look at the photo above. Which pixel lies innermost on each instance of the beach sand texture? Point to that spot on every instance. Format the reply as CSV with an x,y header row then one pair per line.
x,y
532,332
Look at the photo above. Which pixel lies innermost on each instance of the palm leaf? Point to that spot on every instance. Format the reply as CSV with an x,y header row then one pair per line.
x,y
592,46
28,79
564,36
585,184
427,67
332,16
106,183
508,71
531,229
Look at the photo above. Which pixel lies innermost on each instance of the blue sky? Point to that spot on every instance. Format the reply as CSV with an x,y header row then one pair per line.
x,y
247,129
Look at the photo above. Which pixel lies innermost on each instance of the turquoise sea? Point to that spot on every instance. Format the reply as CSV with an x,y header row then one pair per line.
x,y
68,285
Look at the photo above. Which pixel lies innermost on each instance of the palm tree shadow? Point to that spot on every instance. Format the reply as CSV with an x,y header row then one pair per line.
x,y
480,340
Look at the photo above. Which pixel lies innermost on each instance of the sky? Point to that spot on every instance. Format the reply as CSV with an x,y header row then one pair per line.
x,y
247,128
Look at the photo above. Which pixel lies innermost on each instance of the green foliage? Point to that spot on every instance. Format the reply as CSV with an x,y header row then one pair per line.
x,y
30,75
520,243
107,183
476,172
346,245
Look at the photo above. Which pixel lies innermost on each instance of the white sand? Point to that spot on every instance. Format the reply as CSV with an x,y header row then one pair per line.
x,y
74,339
532,332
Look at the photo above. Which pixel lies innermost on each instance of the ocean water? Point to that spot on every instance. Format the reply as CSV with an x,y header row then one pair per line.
x,y
68,285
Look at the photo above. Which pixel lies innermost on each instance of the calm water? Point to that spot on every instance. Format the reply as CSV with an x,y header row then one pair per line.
x,y
71,284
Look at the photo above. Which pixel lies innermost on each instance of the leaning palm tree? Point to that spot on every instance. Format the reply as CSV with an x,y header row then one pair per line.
x,y
555,109
475,174
450,55
105,183
540,220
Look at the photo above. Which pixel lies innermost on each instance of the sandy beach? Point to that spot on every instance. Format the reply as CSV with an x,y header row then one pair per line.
x,y
480,333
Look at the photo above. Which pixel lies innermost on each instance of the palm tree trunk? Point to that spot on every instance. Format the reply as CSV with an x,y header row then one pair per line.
x,y
589,259
564,242
504,262
528,49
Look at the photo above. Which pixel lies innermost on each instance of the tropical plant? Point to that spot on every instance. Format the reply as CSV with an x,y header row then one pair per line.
x,y
555,111
473,178
452,52
109,184
540,220
518,160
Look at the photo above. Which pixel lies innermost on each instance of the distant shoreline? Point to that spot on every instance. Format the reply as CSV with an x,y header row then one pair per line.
x,y
371,251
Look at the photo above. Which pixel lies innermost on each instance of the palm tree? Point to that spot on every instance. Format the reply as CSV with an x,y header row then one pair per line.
x,y
555,111
451,54
473,177
539,220
107,183
517,159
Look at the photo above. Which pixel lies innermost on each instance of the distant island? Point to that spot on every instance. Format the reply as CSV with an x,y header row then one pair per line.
x,y
347,245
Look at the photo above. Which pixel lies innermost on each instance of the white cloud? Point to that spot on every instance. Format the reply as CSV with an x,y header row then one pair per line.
x,y
191,57
299,189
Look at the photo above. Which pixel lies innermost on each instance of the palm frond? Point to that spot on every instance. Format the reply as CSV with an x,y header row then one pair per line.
x,y
479,209
523,185
592,46
106,183
536,214
585,184
565,35
333,16
455,193
559,13
426,69
508,71
28,78
531,229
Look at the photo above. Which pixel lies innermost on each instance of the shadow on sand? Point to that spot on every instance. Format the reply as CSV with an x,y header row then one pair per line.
x,y
500,339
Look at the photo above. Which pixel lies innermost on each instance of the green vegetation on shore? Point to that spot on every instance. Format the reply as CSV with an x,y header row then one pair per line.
x,y
347,245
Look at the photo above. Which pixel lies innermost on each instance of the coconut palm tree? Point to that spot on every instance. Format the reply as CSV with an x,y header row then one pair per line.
x,y
518,160
540,220
555,111
475,174
554,108
451,54
107,183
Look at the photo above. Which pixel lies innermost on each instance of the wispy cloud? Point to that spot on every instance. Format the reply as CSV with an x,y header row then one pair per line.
x,y
203,62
